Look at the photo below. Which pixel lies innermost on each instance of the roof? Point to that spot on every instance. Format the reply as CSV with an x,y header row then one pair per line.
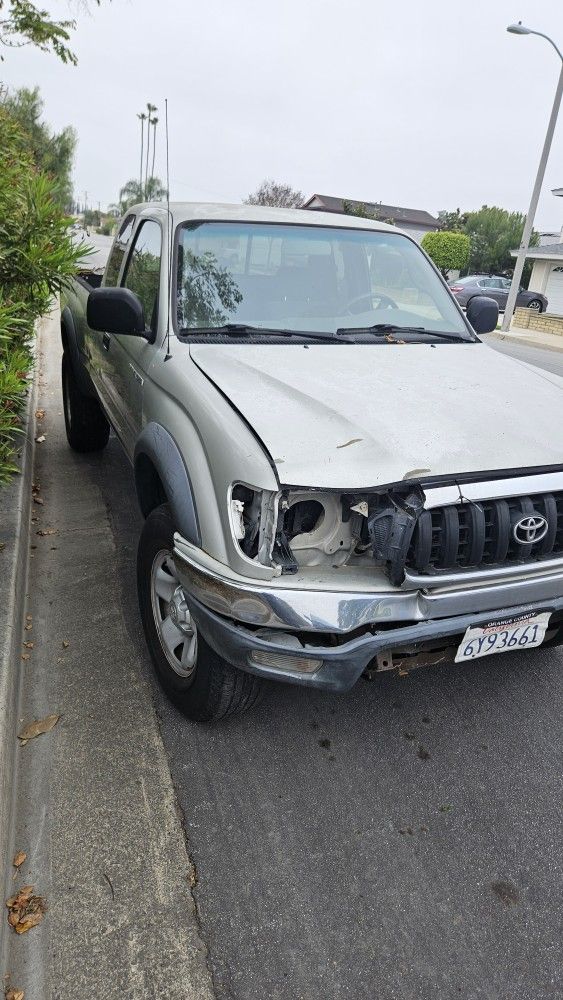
x,y
546,252
185,211
401,216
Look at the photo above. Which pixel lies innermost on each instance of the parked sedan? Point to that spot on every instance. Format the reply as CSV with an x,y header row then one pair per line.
x,y
496,288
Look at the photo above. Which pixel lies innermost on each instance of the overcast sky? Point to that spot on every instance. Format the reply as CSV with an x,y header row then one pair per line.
x,y
426,105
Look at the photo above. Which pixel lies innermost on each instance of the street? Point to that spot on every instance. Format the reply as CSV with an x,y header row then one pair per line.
x,y
400,842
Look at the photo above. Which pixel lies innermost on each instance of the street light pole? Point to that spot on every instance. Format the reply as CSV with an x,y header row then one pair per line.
x,y
520,29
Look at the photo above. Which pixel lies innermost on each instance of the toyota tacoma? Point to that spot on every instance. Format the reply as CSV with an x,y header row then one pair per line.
x,y
337,476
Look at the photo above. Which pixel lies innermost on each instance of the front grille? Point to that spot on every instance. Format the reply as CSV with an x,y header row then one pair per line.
x,y
481,534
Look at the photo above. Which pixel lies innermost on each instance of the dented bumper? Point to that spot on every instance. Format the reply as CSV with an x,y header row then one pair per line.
x,y
251,623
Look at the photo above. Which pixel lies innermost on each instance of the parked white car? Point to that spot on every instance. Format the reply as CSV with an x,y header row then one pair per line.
x,y
338,477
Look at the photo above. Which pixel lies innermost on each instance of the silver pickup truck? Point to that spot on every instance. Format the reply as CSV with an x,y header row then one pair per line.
x,y
337,476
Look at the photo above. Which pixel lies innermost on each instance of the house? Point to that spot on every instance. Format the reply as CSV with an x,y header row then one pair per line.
x,y
413,221
547,273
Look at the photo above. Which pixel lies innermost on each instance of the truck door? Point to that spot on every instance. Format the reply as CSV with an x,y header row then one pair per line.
x,y
96,357
129,358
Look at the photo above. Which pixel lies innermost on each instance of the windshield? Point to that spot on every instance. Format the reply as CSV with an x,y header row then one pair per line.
x,y
307,278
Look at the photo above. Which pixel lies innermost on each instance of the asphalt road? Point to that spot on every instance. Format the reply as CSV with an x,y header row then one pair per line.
x,y
400,842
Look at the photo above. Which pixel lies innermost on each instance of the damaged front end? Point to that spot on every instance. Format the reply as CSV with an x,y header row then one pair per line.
x,y
292,529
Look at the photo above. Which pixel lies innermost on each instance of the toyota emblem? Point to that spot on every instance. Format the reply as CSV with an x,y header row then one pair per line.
x,y
530,528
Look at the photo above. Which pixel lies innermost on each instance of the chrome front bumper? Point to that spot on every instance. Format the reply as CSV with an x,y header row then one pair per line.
x,y
238,616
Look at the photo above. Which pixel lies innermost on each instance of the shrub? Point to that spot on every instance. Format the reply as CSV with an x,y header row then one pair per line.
x,y
37,256
448,250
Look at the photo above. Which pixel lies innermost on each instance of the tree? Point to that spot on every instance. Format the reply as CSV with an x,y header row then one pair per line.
x,y
132,193
453,222
279,195
37,256
205,291
448,250
52,152
363,211
23,23
494,232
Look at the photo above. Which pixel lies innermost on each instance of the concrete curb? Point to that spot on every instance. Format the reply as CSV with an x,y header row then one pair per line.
x,y
530,341
15,514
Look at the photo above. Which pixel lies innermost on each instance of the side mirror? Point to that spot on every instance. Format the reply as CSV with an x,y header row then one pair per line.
x,y
115,310
482,313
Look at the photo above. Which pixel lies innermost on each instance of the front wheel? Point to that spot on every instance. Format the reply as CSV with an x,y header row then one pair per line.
x,y
535,304
202,685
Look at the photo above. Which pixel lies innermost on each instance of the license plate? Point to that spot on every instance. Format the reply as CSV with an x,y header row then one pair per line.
x,y
503,635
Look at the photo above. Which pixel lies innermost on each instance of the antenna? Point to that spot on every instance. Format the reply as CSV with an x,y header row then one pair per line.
x,y
168,242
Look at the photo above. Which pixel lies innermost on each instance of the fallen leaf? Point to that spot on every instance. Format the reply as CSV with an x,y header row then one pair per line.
x,y
28,645
15,994
40,439
19,859
38,500
25,656
38,727
422,752
26,910
46,531
20,898
28,618
28,627
66,643
39,414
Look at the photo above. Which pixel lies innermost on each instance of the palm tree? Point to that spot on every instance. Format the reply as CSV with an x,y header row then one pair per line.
x,y
132,193
143,119
150,109
154,124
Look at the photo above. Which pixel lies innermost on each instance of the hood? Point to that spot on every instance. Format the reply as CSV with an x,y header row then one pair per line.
x,y
358,416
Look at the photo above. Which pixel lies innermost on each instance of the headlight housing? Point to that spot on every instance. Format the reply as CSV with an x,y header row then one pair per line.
x,y
292,528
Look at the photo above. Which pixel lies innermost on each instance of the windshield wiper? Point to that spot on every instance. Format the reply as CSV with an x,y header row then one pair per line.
x,y
242,329
379,329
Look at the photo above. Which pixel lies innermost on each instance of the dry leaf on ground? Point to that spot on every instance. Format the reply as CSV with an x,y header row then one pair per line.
x,y
26,910
40,439
28,645
66,643
12,994
38,500
38,727
19,859
46,531
40,414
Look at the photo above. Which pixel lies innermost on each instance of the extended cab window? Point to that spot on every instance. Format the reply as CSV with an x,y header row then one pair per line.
x,y
142,274
117,254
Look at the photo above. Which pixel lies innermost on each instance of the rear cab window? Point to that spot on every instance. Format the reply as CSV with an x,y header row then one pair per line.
x,y
115,260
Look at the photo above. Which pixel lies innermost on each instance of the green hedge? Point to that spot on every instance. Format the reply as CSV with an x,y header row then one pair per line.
x,y
448,250
37,256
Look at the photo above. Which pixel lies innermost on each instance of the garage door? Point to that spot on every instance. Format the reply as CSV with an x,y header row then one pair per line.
x,y
554,290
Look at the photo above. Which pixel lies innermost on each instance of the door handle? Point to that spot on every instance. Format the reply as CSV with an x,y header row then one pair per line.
x,y
106,341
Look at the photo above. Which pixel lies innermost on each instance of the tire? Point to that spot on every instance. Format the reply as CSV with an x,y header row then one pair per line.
x,y
202,685
535,304
87,429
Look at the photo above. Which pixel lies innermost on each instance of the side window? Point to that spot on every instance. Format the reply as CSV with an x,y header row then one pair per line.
x,y
113,266
142,274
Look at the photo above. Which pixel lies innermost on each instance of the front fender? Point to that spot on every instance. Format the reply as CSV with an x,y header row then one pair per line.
x,y
157,446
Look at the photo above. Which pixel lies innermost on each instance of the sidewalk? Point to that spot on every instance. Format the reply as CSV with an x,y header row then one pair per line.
x,y
533,338
96,811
